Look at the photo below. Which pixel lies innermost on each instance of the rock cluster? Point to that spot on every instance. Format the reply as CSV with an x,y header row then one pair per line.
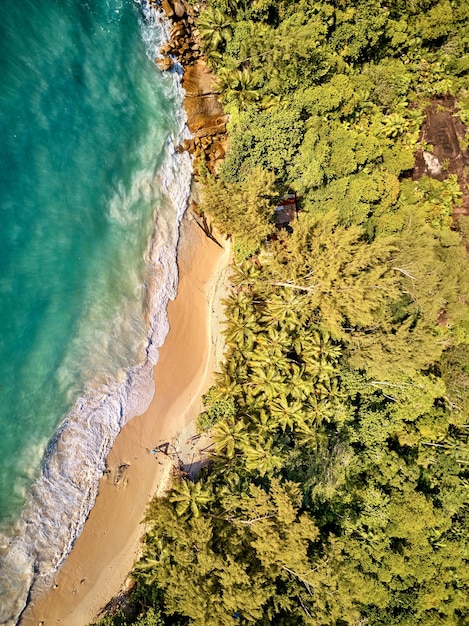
x,y
205,116
209,147
184,43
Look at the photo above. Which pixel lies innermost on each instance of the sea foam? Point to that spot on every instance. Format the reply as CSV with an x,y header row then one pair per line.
x,y
63,495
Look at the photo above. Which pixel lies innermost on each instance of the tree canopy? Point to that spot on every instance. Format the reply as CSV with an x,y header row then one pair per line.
x,y
337,490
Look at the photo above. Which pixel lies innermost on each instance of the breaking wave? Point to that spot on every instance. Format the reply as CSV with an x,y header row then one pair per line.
x,y
61,498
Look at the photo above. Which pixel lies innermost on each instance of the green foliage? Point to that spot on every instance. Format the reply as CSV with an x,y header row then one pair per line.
x,y
454,368
337,486
349,281
215,29
359,30
248,558
391,80
437,22
242,209
239,86
463,226
267,139
149,616
215,410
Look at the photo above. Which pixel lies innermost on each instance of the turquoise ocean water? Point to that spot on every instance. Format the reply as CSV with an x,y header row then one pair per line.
x,y
91,193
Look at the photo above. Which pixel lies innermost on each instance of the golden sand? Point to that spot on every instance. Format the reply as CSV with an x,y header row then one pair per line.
x,y
103,555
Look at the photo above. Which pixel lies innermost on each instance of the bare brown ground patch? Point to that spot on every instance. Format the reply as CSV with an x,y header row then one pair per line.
x,y
444,131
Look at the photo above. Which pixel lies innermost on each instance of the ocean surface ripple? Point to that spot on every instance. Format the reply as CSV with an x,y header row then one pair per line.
x,y
115,211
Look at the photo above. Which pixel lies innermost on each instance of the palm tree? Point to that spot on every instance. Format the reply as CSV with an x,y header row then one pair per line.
x,y
252,401
329,389
240,330
305,435
271,349
300,385
270,358
317,354
214,57
224,79
262,457
226,386
321,370
263,423
242,88
236,366
215,28
322,346
190,497
318,410
229,483
245,274
288,414
278,339
267,381
239,302
283,309
228,435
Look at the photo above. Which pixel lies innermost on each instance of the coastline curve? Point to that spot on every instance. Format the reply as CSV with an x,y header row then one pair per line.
x,y
63,495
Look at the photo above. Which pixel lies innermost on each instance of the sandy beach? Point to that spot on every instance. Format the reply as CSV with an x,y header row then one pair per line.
x,y
103,555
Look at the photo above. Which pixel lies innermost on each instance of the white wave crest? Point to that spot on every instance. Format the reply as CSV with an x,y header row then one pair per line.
x,y
62,497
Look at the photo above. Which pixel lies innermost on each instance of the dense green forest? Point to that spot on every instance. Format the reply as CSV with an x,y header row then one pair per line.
x,y
338,488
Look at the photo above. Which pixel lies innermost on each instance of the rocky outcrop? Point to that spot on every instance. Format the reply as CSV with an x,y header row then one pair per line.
x,y
184,43
444,131
205,116
165,63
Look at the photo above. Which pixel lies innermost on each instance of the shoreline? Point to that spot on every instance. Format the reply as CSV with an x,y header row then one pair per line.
x,y
103,555
188,358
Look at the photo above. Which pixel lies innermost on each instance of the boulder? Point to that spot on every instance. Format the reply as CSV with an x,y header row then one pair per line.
x,y
167,8
198,80
177,29
188,144
218,152
432,163
165,63
179,8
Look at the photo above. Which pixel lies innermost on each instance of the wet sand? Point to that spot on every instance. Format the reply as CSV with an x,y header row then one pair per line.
x,y
103,555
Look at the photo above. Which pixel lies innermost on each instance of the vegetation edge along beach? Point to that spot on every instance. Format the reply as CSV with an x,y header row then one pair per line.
x,y
337,488
103,554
